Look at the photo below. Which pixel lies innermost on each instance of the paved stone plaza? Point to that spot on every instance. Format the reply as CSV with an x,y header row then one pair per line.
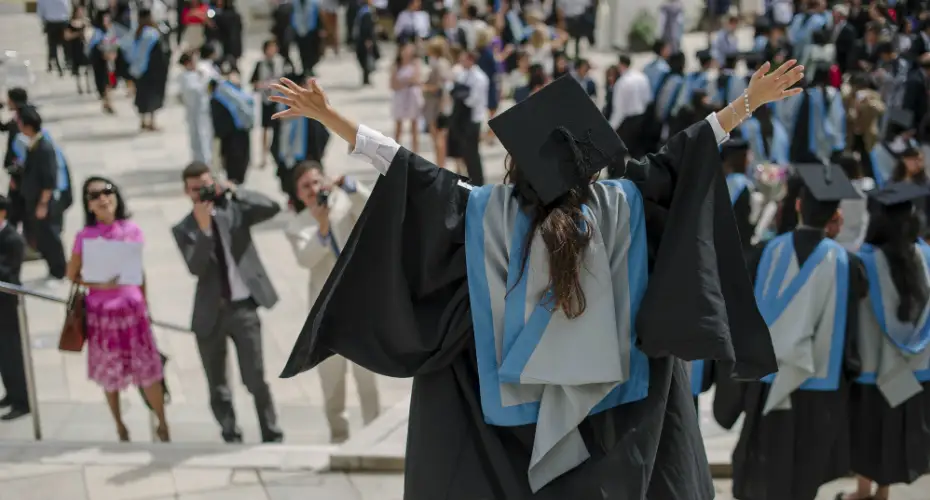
x,y
72,464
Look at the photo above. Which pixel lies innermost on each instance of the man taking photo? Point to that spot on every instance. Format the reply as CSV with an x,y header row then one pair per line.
x,y
215,240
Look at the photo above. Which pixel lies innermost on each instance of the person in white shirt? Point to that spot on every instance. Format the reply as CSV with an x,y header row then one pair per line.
x,y
469,111
55,15
412,24
632,95
196,99
316,235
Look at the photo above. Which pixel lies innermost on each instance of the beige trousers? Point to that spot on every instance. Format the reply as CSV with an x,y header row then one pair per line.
x,y
333,379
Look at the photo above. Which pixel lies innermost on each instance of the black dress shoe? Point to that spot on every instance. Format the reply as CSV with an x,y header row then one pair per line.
x,y
273,437
14,414
5,402
232,437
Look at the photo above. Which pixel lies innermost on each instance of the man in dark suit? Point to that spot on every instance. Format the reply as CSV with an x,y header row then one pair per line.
x,y
39,188
12,368
451,30
844,37
915,94
216,242
864,54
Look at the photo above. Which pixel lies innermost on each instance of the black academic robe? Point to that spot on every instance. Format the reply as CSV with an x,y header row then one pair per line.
x,y
150,86
742,209
790,454
366,43
235,147
12,368
406,260
317,138
101,69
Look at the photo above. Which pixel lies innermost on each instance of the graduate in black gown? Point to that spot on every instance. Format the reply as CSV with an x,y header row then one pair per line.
x,y
815,121
306,25
296,140
233,112
795,436
890,400
148,66
417,261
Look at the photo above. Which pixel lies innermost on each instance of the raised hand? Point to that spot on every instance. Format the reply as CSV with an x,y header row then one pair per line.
x,y
309,101
765,88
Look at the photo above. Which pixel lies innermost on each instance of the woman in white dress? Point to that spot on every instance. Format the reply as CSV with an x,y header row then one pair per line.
x,y
408,95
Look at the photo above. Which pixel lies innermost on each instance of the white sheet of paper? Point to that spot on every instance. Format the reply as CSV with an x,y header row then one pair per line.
x,y
102,260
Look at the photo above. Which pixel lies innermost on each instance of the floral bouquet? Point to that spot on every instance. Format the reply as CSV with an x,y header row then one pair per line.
x,y
770,181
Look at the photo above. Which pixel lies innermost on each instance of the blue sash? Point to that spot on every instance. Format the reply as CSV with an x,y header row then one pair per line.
x,y
736,184
772,302
240,104
778,146
521,335
95,39
142,51
304,17
654,71
919,338
734,87
828,121
667,98
356,23
292,144
697,377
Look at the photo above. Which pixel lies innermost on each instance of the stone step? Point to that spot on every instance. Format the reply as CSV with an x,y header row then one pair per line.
x,y
381,447
279,457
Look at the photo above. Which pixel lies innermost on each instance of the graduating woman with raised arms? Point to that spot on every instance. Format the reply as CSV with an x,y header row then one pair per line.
x,y
545,321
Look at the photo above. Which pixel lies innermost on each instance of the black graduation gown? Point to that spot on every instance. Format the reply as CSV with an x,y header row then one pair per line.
x,y
235,147
788,455
101,68
800,150
742,209
366,42
317,139
150,86
405,261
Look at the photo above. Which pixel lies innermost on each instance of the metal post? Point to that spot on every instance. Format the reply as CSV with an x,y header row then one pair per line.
x,y
27,366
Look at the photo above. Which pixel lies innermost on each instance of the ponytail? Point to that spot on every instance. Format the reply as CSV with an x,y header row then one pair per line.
x,y
566,234
896,240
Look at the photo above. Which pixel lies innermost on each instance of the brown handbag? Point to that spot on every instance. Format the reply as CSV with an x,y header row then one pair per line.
x,y
74,331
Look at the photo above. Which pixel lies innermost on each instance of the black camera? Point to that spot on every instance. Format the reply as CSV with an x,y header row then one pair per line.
x,y
211,193
322,197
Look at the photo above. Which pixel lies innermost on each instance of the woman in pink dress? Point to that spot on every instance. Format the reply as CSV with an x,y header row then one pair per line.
x,y
120,345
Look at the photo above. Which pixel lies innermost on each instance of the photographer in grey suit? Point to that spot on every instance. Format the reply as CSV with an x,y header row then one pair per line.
x,y
216,242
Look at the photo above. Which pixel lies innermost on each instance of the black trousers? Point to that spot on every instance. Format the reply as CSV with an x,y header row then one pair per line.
x,y
12,368
55,37
471,155
47,233
16,212
239,322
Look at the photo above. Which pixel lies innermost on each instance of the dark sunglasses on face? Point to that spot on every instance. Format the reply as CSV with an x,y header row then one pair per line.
x,y
107,191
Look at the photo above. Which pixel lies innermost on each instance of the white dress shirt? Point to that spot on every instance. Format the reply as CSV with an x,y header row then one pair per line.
x,y
55,11
632,95
477,99
379,150
238,290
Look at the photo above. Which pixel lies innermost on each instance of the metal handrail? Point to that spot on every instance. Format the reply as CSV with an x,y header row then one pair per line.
x,y
26,341
12,289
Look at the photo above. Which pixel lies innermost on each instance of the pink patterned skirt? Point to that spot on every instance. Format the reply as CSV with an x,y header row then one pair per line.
x,y
120,345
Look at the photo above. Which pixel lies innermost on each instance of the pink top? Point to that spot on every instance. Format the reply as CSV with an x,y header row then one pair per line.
x,y
192,15
121,230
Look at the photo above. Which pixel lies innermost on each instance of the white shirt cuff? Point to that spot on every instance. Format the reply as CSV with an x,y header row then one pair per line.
x,y
719,133
374,147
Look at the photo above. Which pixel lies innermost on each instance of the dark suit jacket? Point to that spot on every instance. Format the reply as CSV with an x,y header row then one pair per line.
x,y
845,42
915,95
234,222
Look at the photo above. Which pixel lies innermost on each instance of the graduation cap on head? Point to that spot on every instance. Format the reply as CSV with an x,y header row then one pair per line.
x,y
733,146
826,183
558,139
898,194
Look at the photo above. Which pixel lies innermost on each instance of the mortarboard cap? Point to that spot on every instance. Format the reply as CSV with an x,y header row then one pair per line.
x,y
903,118
558,139
826,182
898,193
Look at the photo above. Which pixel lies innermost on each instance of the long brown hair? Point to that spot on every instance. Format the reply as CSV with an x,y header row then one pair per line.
x,y
566,233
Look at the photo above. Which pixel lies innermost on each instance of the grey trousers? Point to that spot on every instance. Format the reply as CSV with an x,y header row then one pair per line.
x,y
333,379
240,323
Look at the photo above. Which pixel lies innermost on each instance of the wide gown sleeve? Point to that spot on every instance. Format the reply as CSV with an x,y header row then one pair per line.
x,y
699,303
396,301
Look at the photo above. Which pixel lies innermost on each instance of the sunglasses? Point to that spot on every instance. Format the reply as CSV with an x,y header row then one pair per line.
x,y
107,191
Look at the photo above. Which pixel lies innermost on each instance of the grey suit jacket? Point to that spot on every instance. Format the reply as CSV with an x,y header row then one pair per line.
x,y
235,222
